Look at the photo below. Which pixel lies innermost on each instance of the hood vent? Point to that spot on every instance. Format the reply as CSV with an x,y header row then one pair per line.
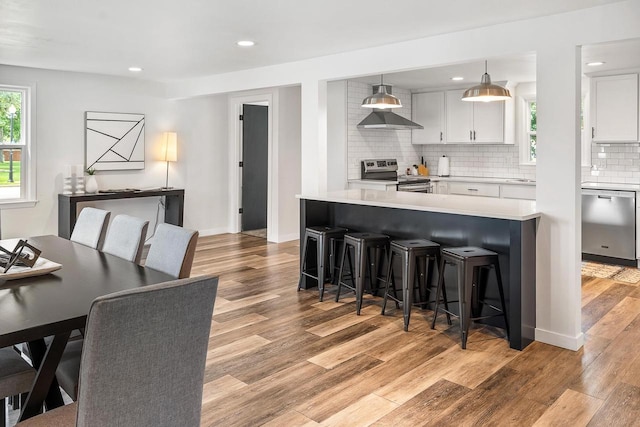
x,y
386,119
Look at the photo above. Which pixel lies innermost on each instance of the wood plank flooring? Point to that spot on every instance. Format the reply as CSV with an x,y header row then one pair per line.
x,y
278,357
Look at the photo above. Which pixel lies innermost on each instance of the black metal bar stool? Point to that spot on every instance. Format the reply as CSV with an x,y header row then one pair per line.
x,y
363,244
325,238
412,253
469,260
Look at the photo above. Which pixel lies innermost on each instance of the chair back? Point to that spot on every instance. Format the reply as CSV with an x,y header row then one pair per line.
x,y
172,250
125,238
144,355
91,227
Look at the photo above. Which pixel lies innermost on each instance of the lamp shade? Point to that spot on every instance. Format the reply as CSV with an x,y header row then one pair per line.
x,y
170,147
486,91
381,98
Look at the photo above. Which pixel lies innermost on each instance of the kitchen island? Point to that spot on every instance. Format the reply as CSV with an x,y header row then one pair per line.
x,y
507,227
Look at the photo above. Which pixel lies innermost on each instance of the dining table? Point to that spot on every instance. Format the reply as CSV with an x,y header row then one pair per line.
x,y
56,304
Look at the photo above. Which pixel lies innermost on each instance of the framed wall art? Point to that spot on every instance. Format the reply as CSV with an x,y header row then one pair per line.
x,y
114,141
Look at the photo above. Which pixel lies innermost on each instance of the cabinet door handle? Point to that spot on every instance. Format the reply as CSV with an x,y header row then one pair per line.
x,y
593,132
440,136
470,135
472,189
474,135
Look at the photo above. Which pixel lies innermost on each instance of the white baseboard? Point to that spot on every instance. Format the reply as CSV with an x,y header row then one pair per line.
x,y
560,340
213,231
288,237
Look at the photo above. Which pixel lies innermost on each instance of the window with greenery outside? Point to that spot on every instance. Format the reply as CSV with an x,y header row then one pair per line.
x,y
11,137
531,129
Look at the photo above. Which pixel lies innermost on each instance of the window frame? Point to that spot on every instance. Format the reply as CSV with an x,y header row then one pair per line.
x,y
526,132
28,145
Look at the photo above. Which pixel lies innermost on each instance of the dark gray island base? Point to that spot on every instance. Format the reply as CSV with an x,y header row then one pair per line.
x,y
513,239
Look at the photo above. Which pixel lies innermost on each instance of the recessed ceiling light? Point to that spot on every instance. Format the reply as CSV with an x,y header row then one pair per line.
x,y
135,69
246,43
595,63
456,79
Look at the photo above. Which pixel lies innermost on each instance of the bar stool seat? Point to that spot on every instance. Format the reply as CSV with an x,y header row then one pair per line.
x,y
468,261
325,238
362,245
412,252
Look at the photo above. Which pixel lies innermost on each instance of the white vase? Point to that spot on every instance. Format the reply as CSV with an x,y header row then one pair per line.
x,y
91,185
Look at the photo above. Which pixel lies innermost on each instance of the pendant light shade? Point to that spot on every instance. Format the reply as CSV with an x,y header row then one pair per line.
x,y
381,98
486,91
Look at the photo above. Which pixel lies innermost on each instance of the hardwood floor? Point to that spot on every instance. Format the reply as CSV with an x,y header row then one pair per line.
x,y
278,357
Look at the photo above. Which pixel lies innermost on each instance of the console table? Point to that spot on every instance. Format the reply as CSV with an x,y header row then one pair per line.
x,y
67,206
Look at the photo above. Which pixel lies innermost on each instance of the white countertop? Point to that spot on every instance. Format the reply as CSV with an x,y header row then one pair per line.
x,y
435,178
611,186
513,181
488,207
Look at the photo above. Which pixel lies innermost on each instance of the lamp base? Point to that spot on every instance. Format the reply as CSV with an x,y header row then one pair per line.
x,y
166,188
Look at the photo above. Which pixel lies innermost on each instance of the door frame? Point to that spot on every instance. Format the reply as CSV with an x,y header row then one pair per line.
x,y
235,154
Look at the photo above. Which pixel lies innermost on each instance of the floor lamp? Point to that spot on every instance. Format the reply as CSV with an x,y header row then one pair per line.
x,y
170,153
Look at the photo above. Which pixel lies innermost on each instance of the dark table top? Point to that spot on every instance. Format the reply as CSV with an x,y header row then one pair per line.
x,y
33,308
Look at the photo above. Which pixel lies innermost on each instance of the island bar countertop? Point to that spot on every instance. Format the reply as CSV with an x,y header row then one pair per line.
x,y
506,227
487,207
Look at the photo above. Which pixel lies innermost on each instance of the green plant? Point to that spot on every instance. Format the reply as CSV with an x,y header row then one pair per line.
x,y
91,171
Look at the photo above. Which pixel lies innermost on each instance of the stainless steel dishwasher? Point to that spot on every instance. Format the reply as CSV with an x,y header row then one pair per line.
x,y
609,223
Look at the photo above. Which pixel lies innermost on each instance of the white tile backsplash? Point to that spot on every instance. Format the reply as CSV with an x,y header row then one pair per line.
x,y
614,163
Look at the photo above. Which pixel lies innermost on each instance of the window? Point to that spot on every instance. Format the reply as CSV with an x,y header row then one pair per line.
x,y
530,130
15,144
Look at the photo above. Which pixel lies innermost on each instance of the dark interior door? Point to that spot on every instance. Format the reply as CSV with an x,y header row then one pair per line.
x,y
254,171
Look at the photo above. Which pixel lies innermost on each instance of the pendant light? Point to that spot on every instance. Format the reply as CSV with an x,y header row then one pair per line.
x,y
486,91
381,99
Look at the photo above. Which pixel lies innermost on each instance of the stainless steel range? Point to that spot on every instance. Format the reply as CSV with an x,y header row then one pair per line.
x,y
387,170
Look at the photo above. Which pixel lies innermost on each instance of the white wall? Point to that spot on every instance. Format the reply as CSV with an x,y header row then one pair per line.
x,y
288,167
203,162
337,135
61,101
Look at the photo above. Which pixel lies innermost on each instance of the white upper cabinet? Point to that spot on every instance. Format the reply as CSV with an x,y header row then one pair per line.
x,y
427,109
447,119
488,122
459,118
474,122
614,108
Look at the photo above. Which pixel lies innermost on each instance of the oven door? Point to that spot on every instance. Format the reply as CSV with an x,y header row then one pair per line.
x,y
426,187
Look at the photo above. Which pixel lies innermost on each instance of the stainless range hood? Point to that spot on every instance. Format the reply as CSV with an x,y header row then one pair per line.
x,y
386,119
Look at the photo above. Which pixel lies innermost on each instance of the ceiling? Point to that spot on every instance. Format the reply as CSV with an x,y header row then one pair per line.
x,y
624,55
189,38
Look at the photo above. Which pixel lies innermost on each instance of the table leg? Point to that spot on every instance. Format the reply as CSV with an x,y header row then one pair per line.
x,y
45,387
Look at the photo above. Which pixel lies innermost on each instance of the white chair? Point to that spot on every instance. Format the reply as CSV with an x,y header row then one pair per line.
x,y
125,238
134,369
91,227
172,250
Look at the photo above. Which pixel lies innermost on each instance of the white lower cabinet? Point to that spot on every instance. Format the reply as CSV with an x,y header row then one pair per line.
x,y
474,189
441,188
522,192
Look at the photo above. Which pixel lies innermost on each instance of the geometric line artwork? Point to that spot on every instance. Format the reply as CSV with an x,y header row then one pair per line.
x,y
114,141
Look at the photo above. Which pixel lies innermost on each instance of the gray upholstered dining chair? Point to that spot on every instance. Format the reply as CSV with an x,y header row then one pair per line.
x,y
16,377
134,369
91,227
172,250
125,238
